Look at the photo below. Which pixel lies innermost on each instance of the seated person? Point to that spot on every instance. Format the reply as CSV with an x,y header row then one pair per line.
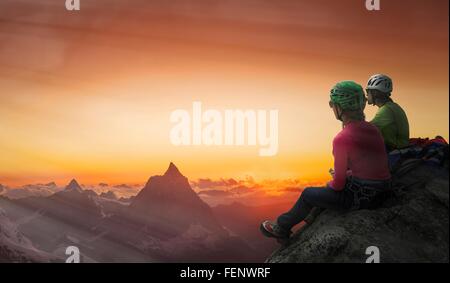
x,y
390,119
361,171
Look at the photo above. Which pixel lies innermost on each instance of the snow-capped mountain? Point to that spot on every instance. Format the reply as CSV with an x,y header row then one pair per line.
x,y
15,247
166,221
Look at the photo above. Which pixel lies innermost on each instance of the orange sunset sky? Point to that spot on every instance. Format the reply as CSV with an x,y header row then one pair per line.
x,y
88,94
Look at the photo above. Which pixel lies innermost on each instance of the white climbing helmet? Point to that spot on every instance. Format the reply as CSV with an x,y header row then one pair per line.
x,y
380,82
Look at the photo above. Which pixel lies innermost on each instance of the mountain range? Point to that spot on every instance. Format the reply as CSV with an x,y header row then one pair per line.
x,y
166,221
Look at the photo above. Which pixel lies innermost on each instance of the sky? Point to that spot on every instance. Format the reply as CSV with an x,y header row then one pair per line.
x,y
88,94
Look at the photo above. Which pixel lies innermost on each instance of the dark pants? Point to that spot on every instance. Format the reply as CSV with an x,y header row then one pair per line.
x,y
356,195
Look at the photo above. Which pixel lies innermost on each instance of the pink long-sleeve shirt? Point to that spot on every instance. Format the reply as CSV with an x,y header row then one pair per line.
x,y
359,150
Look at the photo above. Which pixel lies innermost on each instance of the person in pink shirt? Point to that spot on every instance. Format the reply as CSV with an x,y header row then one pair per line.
x,y
361,174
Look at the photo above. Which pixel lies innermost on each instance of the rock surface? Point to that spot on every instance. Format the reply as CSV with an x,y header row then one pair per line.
x,y
412,226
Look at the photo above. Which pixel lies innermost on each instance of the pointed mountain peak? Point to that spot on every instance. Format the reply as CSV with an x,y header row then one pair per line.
x,y
73,186
172,171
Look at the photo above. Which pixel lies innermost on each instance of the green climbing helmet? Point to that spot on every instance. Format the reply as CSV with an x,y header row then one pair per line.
x,y
348,95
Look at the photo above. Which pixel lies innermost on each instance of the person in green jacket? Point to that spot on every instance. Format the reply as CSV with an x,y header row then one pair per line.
x,y
390,119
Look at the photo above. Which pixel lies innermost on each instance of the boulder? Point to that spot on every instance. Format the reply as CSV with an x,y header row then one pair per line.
x,y
410,226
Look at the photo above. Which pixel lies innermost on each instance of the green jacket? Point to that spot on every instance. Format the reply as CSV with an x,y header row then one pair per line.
x,y
393,124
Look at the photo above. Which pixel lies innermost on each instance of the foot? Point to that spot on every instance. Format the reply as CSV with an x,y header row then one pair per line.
x,y
272,230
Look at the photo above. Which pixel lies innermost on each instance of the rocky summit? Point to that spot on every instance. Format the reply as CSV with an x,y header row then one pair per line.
x,y
411,226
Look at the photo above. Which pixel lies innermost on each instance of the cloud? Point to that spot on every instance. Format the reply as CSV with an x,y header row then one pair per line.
x,y
123,186
215,193
121,190
208,183
30,190
243,189
291,190
251,191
